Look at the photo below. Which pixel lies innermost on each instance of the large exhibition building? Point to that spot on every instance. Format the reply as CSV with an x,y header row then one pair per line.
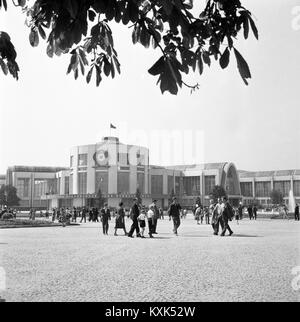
x,y
119,170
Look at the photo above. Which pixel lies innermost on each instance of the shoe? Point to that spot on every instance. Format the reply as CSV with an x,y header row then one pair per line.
x,y
222,235
115,234
138,235
130,236
143,237
216,234
154,232
151,236
230,233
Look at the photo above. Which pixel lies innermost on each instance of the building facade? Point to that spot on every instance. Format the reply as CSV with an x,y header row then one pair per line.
x,y
256,186
116,171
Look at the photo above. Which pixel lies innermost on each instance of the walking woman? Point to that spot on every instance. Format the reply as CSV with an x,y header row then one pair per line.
x,y
120,219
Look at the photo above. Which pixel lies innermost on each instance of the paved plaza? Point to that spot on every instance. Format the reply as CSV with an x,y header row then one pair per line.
x,y
78,263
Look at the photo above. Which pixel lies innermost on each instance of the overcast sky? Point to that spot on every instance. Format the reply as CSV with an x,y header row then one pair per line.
x,y
257,127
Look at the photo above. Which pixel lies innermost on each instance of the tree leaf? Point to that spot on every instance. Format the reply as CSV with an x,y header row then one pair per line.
x,y
224,60
98,75
242,66
89,74
253,27
3,66
42,32
33,38
158,67
246,26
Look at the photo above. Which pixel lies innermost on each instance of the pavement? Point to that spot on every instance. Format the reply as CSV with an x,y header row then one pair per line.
x,y
79,263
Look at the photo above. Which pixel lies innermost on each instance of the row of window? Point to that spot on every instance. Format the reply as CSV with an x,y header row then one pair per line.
x,y
189,186
263,188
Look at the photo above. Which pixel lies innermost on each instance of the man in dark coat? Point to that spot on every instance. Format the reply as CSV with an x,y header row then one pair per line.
x,y
297,212
105,217
254,212
249,209
227,214
174,212
134,213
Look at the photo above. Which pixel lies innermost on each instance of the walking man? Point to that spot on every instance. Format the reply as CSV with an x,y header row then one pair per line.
x,y
227,214
249,209
254,212
297,212
83,215
105,217
217,219
134,213
174,212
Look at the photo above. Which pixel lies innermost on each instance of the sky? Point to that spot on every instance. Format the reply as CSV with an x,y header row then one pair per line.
x,y
257,127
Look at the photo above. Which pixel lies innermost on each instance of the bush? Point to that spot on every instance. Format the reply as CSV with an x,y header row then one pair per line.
x,y
7,216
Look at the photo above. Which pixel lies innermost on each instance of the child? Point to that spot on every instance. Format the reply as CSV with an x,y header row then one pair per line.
x,y
142,221
150,216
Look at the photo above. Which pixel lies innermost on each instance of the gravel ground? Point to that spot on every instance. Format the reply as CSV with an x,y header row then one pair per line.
x,y
80,264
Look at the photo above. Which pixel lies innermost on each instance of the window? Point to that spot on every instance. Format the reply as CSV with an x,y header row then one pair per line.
x,y
82,182
209,182
71,184
170,184
297,188
67,185
191,186
23,187
141,182
177,185
123,182
262,189
82,160
101,182
283,186
123,158
157,184
246,189
40,187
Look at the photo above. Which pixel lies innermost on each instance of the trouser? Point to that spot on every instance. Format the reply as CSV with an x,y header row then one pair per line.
x,y
296,216
83,217
225,226
150,226
53,217
154,224
134,227
218,222
207,220
176,224
105,226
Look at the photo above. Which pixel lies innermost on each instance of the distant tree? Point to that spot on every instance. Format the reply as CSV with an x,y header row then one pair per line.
x,y
188,38
276,197
171,196
8,196
100,200
138,196
218,192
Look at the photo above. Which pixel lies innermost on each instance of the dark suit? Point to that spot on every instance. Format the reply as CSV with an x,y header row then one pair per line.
x,y
297,212
135,212
226,216
105,217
